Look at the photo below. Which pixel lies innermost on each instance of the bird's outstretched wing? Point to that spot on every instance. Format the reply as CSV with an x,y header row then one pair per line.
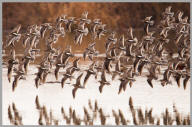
x,y
16,29
86,78
101,87
63,81
79,79
185,82
74,92
150,82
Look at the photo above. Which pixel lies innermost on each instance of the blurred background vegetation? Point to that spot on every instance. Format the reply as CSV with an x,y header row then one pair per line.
x,y
117,16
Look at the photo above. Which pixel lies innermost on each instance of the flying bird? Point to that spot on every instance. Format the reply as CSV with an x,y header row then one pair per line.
x,y
103,81
77,85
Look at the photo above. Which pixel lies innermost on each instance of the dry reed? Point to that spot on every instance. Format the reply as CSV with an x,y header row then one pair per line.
x,y
123,120
37,103
117,120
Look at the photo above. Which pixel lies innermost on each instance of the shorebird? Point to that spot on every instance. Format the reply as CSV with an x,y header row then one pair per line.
x,y
185,43
158,61
113,53
61,19
126,78
177,76
66,76
177,61
14,36
107,62
166,76
168,12
49,48
186,79
77,85
183,29
84,18
29,55
59,64
96,23
129,51
75,66
60,30
99,68
148,39
131,39
67,54
51,58
110,40
179,16
11,62
32,35
27,59
44,28
141,65
147,22
45,74
164,32
160,51
19,75
117,70
71,21
181,52
152,74
35,34
139,57
103,81
187,63
90,51
80,32
121,44
27,36
54,36
100,31
90,72
41,74
184,21
130,78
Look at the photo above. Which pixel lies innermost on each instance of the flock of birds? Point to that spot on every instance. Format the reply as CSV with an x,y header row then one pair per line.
x,y
149,52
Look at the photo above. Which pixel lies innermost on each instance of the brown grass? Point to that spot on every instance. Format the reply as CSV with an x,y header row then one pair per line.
x,y
87,116
76,120
178,119
96,106
117,119
151,118
158,121
63,112
10,114
40,117
45,115
141,116
102,116
17,117
88,119
70,112
146,117
90,105
123,120
37,103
